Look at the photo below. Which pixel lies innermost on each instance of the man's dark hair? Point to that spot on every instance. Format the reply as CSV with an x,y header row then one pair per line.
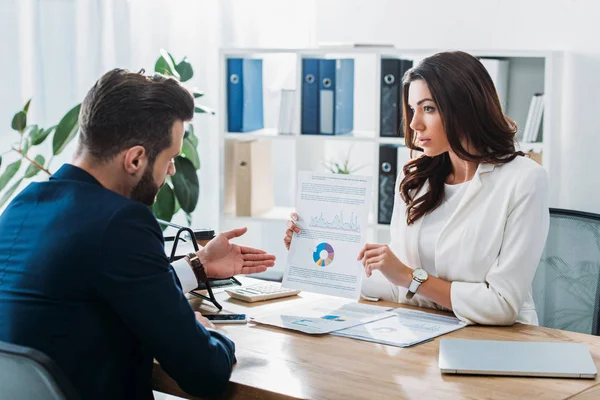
x,y
125,109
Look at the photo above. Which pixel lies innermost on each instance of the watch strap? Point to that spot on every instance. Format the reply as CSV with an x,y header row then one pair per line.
x,y
412,289
197,267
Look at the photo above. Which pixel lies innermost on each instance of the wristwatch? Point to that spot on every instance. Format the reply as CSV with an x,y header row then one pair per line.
x,y
197,267
419,276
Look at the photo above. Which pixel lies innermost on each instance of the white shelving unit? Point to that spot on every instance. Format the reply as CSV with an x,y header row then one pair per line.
x,y
529,72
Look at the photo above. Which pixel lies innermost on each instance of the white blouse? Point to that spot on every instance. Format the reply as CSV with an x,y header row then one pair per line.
x,y
434,222
489,248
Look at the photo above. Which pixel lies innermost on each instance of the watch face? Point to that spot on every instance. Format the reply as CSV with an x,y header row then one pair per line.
x,y
420,274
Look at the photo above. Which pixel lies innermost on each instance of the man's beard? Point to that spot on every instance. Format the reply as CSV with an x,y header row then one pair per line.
x,y
146,189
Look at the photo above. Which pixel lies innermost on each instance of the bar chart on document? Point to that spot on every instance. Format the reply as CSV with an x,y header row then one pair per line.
x,y
333,215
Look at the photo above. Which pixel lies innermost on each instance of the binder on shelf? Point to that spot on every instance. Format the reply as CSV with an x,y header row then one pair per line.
x,y
287,107
229,178
336,96
310,96
253,177
537,119
534,118
388,171
498,70
390,118
327,96
244,94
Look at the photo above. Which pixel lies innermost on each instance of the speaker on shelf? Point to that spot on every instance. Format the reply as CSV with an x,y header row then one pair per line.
x,y
388,171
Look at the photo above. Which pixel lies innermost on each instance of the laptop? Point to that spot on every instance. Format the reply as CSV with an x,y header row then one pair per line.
x,y
491,357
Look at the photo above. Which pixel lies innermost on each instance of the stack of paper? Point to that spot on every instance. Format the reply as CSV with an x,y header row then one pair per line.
x,y
320,318
403,328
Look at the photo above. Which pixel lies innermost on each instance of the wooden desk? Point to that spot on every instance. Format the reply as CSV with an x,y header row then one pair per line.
x,y
277,363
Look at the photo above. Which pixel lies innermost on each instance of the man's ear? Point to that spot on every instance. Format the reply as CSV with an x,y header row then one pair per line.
x,y
135,160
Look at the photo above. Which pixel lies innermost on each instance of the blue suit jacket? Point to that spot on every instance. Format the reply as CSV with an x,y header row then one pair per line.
x,y
84,278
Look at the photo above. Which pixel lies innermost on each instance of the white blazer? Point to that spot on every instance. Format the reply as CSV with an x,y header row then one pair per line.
x,y
489,248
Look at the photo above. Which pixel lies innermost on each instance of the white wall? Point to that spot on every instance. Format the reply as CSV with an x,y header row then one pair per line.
x,y
563,25
54,50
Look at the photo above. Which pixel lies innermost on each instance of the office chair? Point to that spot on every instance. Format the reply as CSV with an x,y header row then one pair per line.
x,y
26,374
566,286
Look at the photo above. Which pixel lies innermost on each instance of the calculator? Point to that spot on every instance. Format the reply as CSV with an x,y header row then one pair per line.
x,y
260,292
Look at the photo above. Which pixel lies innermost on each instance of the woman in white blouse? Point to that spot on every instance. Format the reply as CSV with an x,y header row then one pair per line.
x,y
471,213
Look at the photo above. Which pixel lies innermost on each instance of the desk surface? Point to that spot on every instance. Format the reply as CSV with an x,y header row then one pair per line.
x,y
278,363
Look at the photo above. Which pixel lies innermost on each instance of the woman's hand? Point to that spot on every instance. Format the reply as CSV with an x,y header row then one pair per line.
x,y
291,228
380,257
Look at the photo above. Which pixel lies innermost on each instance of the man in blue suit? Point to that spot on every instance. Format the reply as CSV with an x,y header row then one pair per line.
x,y
83,274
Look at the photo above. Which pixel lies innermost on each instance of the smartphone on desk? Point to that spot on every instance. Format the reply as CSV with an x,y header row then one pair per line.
x,y
227,318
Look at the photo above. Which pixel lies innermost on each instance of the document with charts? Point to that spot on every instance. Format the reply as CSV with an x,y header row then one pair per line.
x,y
404,328
324,316
333,211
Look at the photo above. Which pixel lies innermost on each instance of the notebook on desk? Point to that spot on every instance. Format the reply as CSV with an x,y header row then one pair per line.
x,y
491,357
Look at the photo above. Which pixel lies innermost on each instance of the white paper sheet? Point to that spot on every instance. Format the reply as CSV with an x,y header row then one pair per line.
x,y
404,328
325,318
333,214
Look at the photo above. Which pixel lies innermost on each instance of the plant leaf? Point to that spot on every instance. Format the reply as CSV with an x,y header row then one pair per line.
x,y
0,161
185,184
177,206
26,146
66,130
173,62
19,121
189,134
10,192
164,206
197,93
33,170
188,218
162,66
203,109
8,174
165,64
26,108
38,136
191,153
185,70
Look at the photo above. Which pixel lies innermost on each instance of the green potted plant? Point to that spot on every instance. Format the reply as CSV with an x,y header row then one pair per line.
x,y
342,167
181,191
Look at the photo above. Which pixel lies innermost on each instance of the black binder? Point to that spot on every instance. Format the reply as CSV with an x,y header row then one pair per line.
x,y
388,171
390,120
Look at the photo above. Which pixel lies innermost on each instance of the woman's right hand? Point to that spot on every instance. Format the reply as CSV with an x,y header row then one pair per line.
x,y
291,228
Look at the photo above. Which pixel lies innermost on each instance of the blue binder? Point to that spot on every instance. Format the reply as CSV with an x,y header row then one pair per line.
x,y
310,97
336,96
327,96
244,95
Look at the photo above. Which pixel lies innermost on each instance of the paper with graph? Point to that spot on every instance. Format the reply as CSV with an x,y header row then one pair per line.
x,y
333,212
324,315
404,328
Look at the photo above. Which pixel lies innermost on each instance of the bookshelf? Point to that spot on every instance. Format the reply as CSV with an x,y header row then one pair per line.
x,y
528,73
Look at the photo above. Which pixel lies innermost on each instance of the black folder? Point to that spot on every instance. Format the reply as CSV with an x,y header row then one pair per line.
x,y
392,71
388,170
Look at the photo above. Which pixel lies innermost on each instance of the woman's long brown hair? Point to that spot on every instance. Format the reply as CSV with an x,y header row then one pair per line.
x,y
471,114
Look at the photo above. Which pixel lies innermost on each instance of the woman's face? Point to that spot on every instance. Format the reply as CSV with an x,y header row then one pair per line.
x,y
426,123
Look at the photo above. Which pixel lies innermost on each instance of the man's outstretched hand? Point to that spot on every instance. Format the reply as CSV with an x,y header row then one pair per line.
x,y
222,259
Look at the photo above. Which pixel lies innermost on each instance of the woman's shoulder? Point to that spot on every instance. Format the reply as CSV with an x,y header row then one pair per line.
x,y
523,171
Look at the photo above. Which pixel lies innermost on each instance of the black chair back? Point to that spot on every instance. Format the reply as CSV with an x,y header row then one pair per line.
x,y
27,374
566,286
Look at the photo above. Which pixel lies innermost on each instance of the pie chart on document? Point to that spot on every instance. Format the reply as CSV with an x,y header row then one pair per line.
x,y
323,254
